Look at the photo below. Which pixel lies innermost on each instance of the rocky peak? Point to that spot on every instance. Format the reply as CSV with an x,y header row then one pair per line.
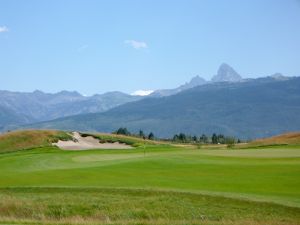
x,y
226,74
195,81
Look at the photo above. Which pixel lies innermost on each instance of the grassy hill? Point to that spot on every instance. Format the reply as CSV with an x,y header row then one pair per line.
x,y
26,139
129,140
151,184
288,138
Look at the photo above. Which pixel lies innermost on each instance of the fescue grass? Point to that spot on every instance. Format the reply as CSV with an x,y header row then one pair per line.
x,y
129,140
287,139
126,206
26,139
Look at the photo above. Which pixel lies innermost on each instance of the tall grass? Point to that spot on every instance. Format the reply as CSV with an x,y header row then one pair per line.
x,y
125,206
26,139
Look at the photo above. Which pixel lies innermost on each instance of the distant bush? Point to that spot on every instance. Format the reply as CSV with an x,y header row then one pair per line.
x,y
123,131
60,135
230,141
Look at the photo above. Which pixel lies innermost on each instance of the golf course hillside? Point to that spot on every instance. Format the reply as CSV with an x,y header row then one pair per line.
x,y
26,139
284,139
149,183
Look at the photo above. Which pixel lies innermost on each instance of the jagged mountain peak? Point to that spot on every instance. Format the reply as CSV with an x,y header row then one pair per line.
x,y
195,81
226,74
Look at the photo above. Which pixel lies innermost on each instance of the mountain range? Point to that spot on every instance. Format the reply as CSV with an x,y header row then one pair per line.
x,y
225,74
253,109
228,104
17,108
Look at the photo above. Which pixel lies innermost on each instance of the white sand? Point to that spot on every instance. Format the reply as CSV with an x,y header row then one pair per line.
x,y
85,143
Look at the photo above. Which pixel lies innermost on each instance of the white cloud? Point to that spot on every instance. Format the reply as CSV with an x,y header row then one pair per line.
x,y
3,29
142,92
136,44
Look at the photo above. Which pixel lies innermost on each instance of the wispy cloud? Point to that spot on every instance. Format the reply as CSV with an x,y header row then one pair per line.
x,y
136,44
3,29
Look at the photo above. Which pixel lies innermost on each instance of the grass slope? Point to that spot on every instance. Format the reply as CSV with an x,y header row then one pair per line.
x,y
129,140
287,138
155,184
25,139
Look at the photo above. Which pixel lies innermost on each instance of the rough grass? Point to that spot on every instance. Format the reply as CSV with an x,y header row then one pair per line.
x,y
129,140
26,139
125,206
292,138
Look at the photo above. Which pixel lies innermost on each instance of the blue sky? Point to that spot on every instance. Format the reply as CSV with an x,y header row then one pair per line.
x,y
97,46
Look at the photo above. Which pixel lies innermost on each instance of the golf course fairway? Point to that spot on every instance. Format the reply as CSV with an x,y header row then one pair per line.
x,y
152,184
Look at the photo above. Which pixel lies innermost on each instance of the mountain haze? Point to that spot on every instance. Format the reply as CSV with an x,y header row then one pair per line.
x,y
20,108
194,82
226,74
252,109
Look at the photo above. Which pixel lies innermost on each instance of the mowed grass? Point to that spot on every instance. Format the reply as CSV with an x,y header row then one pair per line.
x,y
158,184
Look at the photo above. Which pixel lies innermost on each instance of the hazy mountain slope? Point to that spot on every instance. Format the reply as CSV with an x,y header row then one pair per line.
x,y
39,106
20,108
257,108
225,73
9,117
194,82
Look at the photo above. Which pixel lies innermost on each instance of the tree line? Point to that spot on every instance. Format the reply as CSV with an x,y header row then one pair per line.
x,y
204,139
184,138
141,134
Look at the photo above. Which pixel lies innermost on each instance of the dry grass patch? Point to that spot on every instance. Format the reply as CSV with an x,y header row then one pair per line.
x,y
25,139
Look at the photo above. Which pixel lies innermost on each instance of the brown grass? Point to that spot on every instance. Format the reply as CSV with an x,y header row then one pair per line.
x,y
287,138
24,139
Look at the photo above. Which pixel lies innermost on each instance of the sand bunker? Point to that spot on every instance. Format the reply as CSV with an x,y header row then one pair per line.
x,y
85,143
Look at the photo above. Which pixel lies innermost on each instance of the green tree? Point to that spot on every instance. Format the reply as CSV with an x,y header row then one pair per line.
x,y
221,139
175,138
230,141
203,139
182,137
123,131
214,139
141,134
151,136
195,139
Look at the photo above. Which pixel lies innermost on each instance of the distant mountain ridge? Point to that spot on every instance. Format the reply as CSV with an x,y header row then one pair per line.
x,y
20,108
252,109
17,108
195,81
225,73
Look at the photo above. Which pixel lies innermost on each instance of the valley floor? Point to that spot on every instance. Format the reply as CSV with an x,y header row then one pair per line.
x,y
159,184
